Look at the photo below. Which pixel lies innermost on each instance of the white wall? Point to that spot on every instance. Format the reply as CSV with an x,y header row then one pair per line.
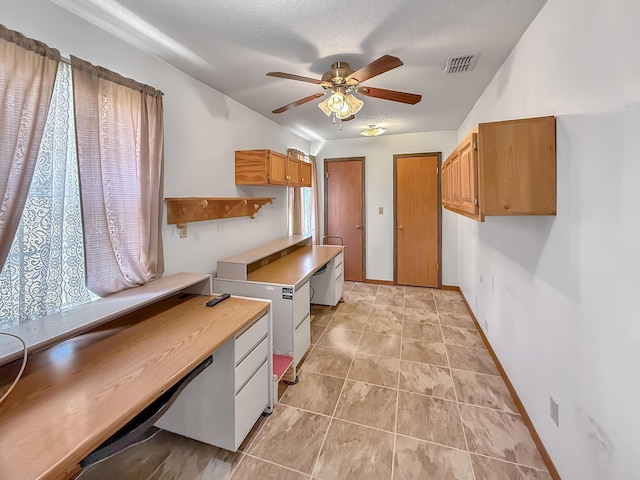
x,y
562,313
202,130
378,153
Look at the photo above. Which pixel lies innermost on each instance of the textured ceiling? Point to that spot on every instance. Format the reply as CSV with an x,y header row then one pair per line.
x,y
231,45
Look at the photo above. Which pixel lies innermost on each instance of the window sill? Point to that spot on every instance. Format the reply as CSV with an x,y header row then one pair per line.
x,y
54,328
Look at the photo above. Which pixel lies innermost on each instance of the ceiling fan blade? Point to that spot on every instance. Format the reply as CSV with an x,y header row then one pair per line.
x,y
299,78
298,102
381,65
410,98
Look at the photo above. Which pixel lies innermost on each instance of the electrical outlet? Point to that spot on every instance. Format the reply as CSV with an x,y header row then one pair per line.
x,y
183,231
380,210
553,411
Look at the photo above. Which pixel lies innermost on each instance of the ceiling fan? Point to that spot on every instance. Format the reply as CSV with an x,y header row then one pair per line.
x,y
341,81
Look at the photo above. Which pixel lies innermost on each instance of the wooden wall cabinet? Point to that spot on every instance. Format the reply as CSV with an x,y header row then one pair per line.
x,y
260,167
266,167
503,168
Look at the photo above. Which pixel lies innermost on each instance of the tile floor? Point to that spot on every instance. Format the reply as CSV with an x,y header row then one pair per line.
x,y
397,385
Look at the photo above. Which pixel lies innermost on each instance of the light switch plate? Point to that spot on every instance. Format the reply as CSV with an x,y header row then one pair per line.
x,y
380,210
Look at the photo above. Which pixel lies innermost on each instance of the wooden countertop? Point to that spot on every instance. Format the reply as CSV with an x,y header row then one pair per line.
x,y
263,251
297,266
75,395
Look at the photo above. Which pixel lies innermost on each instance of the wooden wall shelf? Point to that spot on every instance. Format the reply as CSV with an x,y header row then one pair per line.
x,y
196,209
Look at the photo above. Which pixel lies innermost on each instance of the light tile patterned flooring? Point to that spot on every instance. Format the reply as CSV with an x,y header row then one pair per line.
x,y
397,385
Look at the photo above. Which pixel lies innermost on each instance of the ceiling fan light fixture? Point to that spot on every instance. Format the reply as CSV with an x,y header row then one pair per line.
x,y
336,101
324,106
355,104
372,131
344,112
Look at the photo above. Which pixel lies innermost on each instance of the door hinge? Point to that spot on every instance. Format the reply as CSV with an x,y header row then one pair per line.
x,y
475,146
437,170
475,201
326,174
268,179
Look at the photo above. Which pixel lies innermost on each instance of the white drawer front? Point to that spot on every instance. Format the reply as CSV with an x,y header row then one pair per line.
x,y
301,340
250,364
250,338
339,288
301,304
251,402
339,268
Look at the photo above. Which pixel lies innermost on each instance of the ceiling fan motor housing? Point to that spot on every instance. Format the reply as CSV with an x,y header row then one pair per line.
x,y
337,76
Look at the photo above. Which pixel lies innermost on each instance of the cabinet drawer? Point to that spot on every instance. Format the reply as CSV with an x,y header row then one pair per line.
x,y
250,338
339,287
251,402
251,363
301,340
301,304
339,266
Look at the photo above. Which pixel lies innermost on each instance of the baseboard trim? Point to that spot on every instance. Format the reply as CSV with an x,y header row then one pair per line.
x,y
379,282
450,287
523,412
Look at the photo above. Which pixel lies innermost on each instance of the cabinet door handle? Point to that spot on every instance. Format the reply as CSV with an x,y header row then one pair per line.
x,y
358,227
400,227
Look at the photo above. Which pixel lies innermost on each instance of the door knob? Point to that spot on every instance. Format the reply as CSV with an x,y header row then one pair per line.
x,y
358,227
400,227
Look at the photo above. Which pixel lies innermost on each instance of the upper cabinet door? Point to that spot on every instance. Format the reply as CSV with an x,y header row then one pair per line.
x,y
277,168
469,175
305,174
293,172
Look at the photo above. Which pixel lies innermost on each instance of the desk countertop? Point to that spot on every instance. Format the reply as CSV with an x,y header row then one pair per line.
x,y
294,268
75,395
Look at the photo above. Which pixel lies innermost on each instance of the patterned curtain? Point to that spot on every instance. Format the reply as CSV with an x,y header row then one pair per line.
x,y
120,142
44,271
27,74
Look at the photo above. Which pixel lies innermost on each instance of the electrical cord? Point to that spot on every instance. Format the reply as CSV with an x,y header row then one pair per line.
x,y
24,364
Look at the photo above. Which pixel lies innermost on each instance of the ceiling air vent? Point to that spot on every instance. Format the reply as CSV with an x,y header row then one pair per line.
x,y
461,63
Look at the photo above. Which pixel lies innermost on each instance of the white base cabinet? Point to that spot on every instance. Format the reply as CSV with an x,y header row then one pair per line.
x,y
290,308
328,284
221,405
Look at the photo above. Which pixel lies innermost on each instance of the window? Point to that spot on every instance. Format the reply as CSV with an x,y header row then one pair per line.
x,y
306,211
44,271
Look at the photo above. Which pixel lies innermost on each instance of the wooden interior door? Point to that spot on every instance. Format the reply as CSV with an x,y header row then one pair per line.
x,y
344,211
417,220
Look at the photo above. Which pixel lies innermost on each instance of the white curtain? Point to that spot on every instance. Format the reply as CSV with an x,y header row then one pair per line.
x,y
44,271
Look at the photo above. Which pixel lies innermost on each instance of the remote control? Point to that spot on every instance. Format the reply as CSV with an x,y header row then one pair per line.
x,y
217,300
